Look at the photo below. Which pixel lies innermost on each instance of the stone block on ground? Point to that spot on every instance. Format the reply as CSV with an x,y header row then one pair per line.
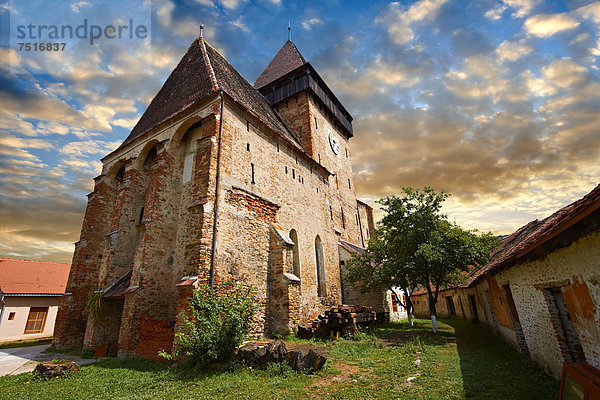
x,y
55,370
260,357
309,362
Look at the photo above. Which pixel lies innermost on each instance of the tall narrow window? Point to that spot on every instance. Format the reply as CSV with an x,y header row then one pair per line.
x,y
569,343
252,165
293,173
331,213
36,320
248,126
189,146
248,147
514,316
295,253
320,261
349,186
343,219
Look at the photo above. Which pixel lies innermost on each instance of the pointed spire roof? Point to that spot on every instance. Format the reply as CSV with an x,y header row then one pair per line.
x,y
202,72
287,59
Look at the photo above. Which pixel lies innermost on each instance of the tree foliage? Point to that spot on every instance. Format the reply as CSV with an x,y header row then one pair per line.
x,y
416,244
216,323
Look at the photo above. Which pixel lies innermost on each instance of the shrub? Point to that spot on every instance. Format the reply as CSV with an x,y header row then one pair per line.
x,y
216,323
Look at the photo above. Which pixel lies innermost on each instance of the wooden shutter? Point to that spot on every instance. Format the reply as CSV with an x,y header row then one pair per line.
x,y
36,320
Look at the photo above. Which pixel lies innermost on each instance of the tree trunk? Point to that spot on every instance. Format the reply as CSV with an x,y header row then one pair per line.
x,y
433,314
409,307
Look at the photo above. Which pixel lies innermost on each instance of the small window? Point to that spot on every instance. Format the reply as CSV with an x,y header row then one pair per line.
x,y
346,153
248,126
394,303
286,171
349,185
278,147
36,320
331,213
141,219
293,173
316,123
252,165
11,316
248,147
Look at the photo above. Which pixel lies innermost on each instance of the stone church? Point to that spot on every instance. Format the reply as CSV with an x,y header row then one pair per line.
x,y
219,180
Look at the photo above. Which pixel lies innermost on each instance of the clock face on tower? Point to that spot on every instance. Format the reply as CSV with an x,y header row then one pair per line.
x,y
334,143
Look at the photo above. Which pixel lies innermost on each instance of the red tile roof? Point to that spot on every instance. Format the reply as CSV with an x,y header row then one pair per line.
x,y
351,248
536,233
531,236
287,59
33,277
203,71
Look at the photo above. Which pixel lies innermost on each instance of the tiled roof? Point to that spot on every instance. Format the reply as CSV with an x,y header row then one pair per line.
x,y
287,59
119,287
201,72
351,248
531,236
33,277
536,233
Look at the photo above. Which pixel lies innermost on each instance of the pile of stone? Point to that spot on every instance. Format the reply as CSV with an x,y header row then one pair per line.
x,y
56,370
338,321
256,356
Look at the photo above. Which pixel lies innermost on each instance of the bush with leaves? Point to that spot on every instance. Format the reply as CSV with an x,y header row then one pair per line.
x,y
216,323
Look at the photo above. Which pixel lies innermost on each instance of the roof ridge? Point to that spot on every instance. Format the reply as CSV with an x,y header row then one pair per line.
x,y
213,77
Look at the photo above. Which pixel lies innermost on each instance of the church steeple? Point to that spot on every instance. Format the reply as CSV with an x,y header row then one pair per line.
x,y
287,59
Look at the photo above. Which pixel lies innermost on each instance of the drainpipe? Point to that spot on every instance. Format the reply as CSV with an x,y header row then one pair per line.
x,y
216,207
2,309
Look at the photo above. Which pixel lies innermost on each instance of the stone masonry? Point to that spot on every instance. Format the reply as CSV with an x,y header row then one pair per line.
x,y
545,300
276,173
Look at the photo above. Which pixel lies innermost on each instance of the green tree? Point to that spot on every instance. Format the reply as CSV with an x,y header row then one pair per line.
x,y
417,245
375,268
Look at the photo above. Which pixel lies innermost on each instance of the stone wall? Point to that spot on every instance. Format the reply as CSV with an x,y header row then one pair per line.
x,y
531,322
152,215
574,270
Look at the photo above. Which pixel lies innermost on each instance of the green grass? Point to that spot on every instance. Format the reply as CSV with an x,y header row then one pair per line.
x,y
25,343
462,361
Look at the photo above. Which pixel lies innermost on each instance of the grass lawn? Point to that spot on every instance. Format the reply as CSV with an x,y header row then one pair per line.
x,y
25,343
462,361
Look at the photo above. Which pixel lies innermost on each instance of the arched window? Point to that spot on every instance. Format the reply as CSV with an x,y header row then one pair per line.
x,y
321,282
296,253
189,152
119,177
150,158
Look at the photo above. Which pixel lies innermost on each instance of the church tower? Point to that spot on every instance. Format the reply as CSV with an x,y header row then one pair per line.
x,y
218,181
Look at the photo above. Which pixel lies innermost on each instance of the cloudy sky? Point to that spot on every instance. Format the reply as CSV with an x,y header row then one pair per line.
x,y
496,102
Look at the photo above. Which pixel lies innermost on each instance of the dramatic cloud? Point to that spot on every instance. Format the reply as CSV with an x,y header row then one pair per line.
x,y
495,102
545,25
400,20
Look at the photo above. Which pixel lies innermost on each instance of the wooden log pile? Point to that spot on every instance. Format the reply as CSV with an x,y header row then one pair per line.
x,y
338,321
